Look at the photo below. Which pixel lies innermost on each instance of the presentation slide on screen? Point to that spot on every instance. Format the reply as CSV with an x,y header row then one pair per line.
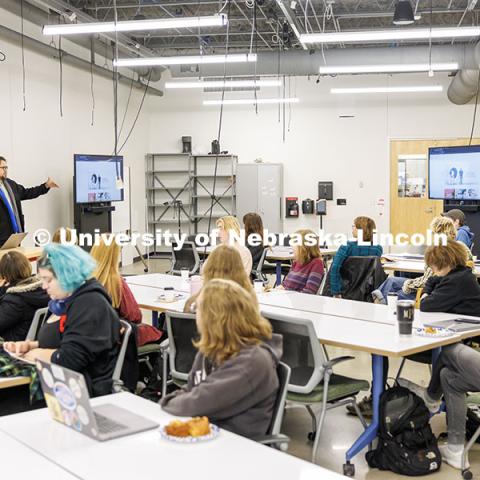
x,y
96,181
455,175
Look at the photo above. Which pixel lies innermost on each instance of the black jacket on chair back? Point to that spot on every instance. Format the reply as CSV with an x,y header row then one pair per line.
x,y
360,276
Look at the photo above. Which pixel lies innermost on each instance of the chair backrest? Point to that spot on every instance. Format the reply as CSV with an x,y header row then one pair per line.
x,y
285,242
257,273
360,276
182,330
283,372
301,351
117,372
38,320
186,257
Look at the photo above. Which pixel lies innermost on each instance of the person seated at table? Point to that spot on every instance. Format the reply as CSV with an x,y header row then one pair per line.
x,y
84,333
253,225
21,295
67,236
453,288
234,379
229,224
406,288
107,257
353,249
307,270
455,373
464,234
224,262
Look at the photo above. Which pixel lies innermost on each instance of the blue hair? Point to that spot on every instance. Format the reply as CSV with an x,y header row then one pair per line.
x,y
70,264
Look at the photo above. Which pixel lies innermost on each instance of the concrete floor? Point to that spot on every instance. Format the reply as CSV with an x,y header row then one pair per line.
x,y
340,429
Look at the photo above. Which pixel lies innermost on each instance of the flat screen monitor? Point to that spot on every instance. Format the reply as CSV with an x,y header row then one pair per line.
x,y
454,173
98,178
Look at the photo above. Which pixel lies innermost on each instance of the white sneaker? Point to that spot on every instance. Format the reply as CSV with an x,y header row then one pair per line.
x,y
454,459
432,405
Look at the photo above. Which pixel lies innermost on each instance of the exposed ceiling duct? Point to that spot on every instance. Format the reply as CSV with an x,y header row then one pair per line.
x,y
463,88
308,62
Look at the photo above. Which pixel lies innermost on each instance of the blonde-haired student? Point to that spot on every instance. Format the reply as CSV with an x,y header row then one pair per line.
x,y
234,379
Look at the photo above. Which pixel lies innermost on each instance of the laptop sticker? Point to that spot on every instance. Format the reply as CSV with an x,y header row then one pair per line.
x,y
64,396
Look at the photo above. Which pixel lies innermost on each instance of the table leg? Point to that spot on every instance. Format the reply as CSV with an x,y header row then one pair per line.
x,y
278,271
378,386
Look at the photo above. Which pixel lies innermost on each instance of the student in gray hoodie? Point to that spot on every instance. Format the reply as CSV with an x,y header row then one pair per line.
x,y
234,379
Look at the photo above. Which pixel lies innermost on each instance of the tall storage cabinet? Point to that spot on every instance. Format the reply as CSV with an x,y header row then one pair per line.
x,y
260,190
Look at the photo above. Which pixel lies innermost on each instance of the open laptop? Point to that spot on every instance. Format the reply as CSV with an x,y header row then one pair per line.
x,y
456,324
14,241
68,401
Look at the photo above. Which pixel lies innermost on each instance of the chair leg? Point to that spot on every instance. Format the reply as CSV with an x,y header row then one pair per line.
x,y
321,419
313,418
164,372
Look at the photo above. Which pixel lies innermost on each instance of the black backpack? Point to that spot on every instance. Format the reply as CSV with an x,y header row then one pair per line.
x,y
406,444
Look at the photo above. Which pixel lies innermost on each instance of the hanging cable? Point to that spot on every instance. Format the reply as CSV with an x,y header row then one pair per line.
x,y
220,120
92,121
60,63
138,112
3,57
128,102
254,32
23,59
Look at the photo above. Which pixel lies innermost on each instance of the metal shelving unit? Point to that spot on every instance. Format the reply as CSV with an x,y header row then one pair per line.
x,y
168,181
173,177
225,189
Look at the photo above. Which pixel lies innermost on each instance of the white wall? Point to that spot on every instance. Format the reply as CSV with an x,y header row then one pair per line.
x,y
38,143
351,152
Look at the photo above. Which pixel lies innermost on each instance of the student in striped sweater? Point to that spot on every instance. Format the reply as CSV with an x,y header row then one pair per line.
x,y
307,270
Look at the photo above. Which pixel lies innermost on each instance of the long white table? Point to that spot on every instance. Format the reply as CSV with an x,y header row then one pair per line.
x,y
368,312
358,326
147,456
20,461
414,266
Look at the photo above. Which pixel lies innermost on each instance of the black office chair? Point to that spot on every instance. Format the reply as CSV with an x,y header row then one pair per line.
x,y
182,330
273,436
185,258
360,277
312,381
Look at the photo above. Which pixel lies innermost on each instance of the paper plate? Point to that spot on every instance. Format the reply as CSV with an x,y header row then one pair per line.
x,y
439,332
214,432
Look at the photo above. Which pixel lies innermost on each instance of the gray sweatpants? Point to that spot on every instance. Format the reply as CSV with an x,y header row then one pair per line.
x,y
456,372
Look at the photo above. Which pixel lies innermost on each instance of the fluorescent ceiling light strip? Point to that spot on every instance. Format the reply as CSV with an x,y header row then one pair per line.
x,y
223,84
250,101
392,34
136,25
186,60
430,88
392,68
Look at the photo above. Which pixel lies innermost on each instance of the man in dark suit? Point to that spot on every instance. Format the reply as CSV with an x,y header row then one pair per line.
x,y
11,196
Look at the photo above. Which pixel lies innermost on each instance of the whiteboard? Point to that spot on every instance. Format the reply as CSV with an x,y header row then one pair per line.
x,y
121,215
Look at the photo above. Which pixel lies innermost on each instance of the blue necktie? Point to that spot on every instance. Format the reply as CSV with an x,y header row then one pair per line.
x,y
13,220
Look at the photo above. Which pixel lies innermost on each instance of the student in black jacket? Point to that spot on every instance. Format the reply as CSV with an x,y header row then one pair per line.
x,y
11,196
453,288
21,295
84,335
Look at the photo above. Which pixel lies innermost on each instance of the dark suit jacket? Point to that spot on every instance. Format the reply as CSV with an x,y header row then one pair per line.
x,y
20,193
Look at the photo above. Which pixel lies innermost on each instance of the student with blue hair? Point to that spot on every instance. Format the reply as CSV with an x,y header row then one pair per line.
x,y
83,334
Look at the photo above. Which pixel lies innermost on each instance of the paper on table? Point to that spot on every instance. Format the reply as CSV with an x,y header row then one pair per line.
x,y
19,357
